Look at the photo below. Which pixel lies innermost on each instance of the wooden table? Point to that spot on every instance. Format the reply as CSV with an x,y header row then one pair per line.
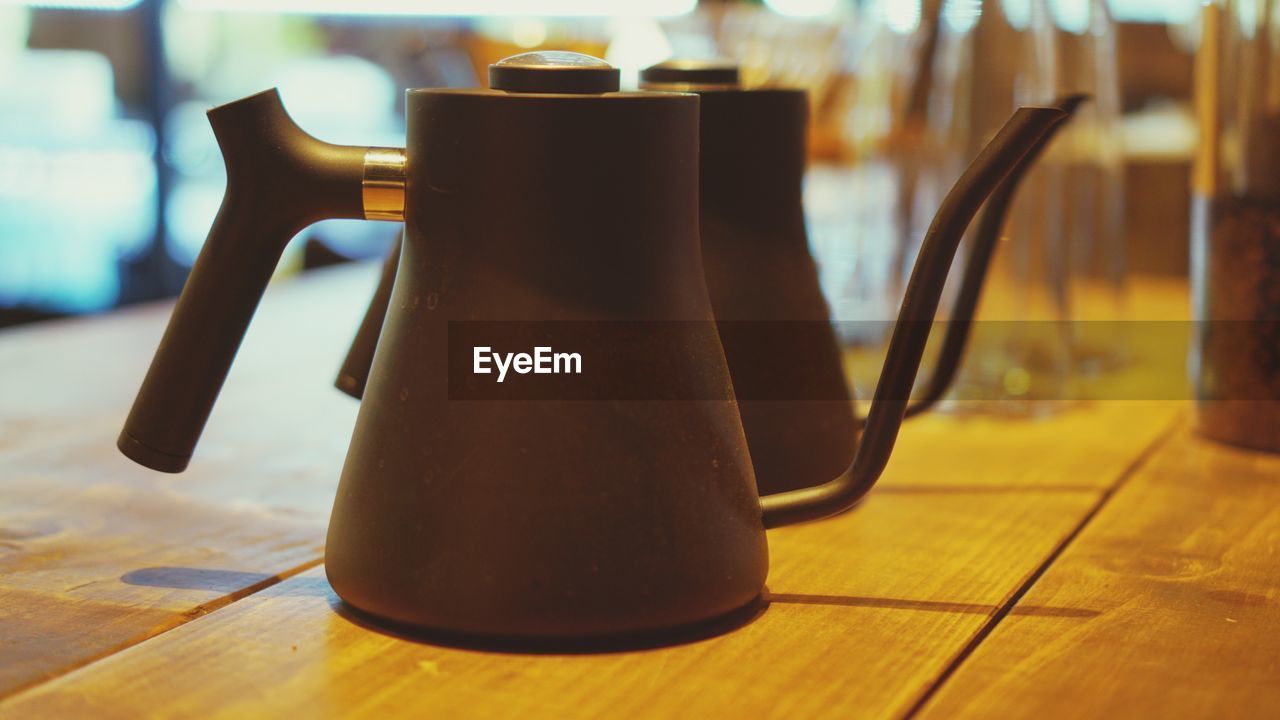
x,y
1098,562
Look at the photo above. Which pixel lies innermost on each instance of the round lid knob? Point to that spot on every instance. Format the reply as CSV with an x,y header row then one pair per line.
x,y
691,72
553,71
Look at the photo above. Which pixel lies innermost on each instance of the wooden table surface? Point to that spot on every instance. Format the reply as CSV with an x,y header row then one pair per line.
x,y
1098,561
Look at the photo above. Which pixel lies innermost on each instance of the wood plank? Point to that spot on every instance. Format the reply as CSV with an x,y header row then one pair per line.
x,y
867,609
1065,451
1176,593
82,528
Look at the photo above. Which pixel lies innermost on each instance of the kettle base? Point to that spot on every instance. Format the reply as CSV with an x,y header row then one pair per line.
x,y
697,631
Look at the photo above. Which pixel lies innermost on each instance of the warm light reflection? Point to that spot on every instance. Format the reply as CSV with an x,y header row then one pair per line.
x,y
902,16
74,4
454,8
961,15
801,8
529,32
1071,15
637,43
1171,11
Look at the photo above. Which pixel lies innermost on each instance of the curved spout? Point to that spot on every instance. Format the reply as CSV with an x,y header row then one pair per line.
x,y
984,240
1007,152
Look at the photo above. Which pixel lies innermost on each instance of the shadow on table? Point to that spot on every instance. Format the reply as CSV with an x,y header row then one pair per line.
x,y
241,584
185,578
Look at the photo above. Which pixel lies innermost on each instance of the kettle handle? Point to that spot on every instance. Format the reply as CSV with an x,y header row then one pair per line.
x,y
1005,154
279,180
354,372
985,237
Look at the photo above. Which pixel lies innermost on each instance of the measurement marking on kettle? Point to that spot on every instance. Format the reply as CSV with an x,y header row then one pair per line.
x,y
543,361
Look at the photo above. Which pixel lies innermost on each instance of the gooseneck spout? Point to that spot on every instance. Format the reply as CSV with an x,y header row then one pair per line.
x,y
279,180
1004,155
985,239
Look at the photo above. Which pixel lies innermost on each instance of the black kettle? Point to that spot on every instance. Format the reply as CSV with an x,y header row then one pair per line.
x,y
549,198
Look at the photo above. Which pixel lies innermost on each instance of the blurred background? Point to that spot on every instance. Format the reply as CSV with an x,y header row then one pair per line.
x,y
110,177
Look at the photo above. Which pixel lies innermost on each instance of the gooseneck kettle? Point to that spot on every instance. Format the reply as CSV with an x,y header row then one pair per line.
x,y
549,197
773,321
779,343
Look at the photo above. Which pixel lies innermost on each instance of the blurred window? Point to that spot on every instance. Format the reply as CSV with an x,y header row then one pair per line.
x,y
1153,11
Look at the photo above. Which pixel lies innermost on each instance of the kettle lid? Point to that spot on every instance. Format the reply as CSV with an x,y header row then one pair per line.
x,y
694,73
553,71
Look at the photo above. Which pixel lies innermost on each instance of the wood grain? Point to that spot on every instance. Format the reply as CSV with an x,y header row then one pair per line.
x,y
83,530
866,611
1080,447
1176,585
99,557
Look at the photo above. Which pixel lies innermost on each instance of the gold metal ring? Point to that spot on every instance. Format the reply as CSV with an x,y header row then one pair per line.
x,y
383,185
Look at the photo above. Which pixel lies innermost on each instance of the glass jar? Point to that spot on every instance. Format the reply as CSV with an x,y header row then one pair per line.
x,y
1235,225
993,56
1091,154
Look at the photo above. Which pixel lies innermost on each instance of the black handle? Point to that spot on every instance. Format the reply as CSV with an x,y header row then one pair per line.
x,y
279,180
1002,156
354,372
